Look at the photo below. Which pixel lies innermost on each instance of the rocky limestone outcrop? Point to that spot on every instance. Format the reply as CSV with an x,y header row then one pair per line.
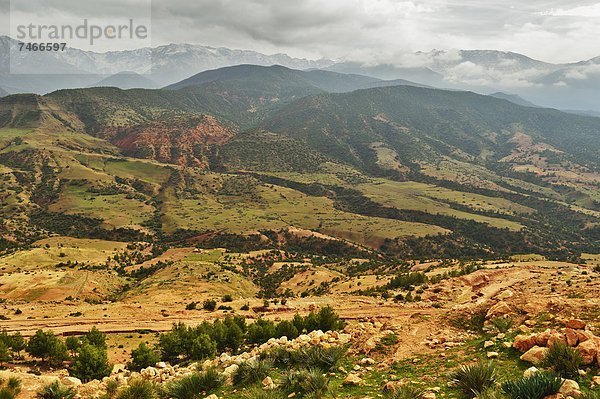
x,y
576,334
163,372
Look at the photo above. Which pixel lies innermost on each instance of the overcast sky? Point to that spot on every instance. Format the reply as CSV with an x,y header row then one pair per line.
x,y
364,30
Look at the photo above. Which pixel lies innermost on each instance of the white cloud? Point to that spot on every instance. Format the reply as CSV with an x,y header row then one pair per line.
x,y
374,31
581,11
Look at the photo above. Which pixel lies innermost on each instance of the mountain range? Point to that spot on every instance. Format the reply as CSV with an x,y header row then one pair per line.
x,y
569,86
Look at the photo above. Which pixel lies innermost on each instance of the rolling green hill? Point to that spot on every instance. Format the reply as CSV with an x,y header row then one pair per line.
x,y
235,156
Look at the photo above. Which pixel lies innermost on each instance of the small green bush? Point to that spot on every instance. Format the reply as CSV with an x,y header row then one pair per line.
x,y
564,360
96,338
56,391
48,347
317,357
250,372
261,331
306,382
474,379
280,357
197,385
139,389
203,347
210,305
538,386
227,298
10,388
143,357
91,363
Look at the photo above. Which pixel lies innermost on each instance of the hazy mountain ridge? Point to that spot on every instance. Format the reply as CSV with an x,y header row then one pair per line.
x,y
513,98
563,86
127,80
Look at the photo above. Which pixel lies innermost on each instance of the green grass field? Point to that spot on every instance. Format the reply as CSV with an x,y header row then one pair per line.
x,y
115,210
49,252
278,207
436,200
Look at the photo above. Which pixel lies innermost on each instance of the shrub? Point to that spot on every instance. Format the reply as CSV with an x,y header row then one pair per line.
x,y
328,320
91,363
10,388
227,298
210,305
250,372
306,382
96,338
4,353
563,359
203,347
407,280
191,306
280,357
474,379
389,339
46,346
318,357
538,386
287,329
143,357
16,343
409,391
56,391
234,334
245,306
73,344
197,385
112,387
139,389
261,331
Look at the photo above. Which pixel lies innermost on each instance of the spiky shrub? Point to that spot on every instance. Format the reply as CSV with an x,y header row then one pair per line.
x,y
474,379
306,382
563,359
10,388
139,389
279,356
250,372
197,385
409,391
56,390
538,386
318,357
112,386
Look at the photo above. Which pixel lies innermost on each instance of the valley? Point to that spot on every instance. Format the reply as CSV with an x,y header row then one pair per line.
x,y
400,231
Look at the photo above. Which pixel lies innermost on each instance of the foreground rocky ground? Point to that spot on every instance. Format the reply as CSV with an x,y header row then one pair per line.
x,y
458,321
